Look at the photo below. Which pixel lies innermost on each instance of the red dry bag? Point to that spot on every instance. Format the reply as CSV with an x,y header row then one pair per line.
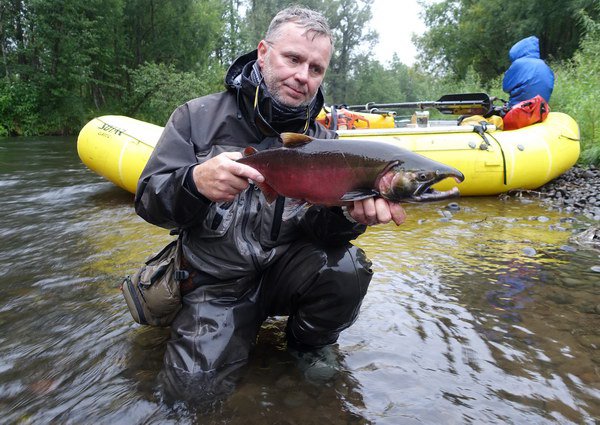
x,y
526,113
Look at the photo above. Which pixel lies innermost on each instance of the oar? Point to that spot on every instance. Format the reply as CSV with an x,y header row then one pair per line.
x,y
450,104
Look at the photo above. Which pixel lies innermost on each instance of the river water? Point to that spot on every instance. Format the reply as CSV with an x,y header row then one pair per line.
x,y
487,314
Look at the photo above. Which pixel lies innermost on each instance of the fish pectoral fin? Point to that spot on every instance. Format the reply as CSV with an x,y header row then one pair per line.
x,y
268,192
294,140
358,195
293,207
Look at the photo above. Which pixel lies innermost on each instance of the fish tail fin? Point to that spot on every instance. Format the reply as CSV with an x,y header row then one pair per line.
x,y
293,140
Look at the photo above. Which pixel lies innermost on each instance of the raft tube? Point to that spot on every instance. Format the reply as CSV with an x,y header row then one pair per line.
x,y
493,161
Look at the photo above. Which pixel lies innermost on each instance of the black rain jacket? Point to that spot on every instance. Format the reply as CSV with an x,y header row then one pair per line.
x,y
233,239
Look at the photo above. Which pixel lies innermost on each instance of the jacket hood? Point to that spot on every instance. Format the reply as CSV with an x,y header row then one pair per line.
x,y
237,79
234,73
527,48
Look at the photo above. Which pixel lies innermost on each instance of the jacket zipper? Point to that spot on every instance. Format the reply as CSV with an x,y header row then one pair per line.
x,y
276,227
245,218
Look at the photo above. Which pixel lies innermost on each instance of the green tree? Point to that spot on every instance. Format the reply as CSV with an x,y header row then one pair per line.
x,y
51,54
349,22
370,81
477,34
157,89
76,51
67,60
183,33
233,41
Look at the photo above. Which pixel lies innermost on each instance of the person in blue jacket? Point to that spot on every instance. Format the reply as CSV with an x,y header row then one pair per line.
x,y
528,75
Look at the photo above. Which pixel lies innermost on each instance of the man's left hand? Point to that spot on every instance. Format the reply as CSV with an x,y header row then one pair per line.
x,y
374,211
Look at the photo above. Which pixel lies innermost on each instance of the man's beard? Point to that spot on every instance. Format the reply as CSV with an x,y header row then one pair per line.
x,y
275,90
280,117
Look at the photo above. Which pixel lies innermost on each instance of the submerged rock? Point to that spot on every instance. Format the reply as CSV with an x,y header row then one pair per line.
x,y
453,206
577,192
590,237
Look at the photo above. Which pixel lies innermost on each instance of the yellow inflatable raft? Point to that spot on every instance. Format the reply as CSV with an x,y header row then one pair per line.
x,y
493,161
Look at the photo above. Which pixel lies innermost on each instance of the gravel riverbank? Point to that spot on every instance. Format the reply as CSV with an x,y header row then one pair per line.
x,y
576,191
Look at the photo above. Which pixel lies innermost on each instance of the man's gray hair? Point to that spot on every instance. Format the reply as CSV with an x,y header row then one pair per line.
x,y
314,23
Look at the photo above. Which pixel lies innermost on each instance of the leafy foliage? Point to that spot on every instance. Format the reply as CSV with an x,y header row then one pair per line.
x,y
157,89
578,89
348,20
477,35
181,33
67,60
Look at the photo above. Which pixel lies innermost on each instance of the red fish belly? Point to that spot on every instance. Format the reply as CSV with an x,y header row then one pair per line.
x,y
324,186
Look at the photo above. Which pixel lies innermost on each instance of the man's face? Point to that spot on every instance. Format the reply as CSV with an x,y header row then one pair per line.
x,y
294,65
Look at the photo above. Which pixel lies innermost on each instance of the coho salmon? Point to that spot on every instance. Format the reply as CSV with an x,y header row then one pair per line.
x,y
334,172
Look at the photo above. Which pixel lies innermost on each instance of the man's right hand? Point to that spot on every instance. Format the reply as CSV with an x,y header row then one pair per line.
x,y
372,211
221,178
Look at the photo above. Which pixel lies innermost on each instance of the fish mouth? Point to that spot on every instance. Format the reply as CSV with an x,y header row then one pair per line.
x,y
425,193
430,195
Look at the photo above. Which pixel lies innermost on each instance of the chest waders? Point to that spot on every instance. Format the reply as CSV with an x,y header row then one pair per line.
x,y
320,289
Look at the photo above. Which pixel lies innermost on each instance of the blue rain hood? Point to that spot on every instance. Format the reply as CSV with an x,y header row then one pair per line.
x,y
528,75
527,48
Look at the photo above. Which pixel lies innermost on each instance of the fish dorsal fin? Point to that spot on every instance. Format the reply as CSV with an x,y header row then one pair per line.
x,y
250,150
294,140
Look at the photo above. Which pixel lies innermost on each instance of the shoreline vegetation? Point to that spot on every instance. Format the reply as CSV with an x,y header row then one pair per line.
x,y
64,62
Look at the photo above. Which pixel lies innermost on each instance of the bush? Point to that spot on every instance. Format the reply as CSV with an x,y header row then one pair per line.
x,y
577,92
19,114
157,89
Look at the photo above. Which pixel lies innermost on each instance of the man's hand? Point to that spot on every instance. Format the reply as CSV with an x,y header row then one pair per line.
x,y
373,211
221,178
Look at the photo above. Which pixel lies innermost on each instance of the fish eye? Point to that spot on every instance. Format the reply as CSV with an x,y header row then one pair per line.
x,y
422,177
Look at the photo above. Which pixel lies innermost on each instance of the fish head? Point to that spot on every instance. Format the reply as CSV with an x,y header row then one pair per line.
x,y
402,182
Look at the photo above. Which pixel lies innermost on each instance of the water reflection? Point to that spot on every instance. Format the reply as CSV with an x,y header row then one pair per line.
x,y
482,315
482,323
